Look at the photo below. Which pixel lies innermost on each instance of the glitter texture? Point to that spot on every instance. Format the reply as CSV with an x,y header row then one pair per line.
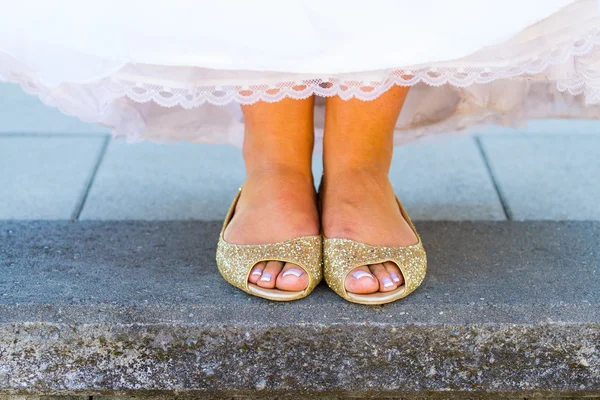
x,y
235,261
341,256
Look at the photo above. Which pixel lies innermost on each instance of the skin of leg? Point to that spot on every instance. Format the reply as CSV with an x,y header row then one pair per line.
x,y
278,201
358,201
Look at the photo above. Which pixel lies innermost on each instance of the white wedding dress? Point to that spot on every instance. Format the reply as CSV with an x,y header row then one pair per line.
x,y
179,70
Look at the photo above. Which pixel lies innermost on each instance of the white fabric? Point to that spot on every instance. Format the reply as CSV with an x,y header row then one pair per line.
x,y
180,72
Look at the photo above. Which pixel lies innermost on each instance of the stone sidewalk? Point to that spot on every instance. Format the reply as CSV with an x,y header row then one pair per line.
x,y
108,285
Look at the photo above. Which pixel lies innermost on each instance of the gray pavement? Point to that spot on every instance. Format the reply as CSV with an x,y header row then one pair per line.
x,y
172,181
45,177
553,177
447,180
545,170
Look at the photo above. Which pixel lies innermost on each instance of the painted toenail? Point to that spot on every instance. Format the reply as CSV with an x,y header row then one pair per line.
x,y
294,272
387,282
361,274
266,277
256,272
395,277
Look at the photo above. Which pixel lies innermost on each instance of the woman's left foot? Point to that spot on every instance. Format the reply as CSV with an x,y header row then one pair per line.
x,y
361,206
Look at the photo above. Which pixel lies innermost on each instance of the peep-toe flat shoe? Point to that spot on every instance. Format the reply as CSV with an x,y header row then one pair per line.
x,y
235,261
341,256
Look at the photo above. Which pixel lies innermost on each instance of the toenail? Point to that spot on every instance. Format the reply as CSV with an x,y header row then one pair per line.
x,y
395,277
387,282
361,274
256,272
294,272
266,277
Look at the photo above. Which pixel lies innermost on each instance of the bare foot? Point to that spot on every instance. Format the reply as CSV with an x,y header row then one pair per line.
x,y
275,206
361,206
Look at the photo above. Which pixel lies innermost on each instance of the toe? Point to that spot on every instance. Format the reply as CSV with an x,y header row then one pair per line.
x,y
394,272
385,280
292,278
256,272
269,275
361,281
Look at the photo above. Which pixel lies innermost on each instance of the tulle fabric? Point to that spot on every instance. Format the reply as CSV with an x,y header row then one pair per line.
x,y
504,63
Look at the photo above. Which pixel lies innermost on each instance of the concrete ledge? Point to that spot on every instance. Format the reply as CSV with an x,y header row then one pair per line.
x,y
509,309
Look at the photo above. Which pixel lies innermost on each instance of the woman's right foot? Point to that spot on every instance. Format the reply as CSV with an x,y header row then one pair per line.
x,y
275,206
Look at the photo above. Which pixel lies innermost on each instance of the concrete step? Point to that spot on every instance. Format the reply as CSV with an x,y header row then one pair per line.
x,y
508,309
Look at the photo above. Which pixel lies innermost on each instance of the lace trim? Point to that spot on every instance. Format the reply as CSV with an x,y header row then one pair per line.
x,y
585,81
587,78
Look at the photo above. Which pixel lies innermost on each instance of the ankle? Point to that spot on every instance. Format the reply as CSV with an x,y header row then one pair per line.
x,y
361,162
277,157
353,176
279,172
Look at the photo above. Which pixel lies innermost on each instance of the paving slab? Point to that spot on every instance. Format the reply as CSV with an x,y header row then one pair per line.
x,y
550,177
447,180
149,181
45,177
22,112
556,126
138,309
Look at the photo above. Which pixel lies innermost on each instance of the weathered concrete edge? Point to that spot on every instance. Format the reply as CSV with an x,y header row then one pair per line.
x,y
295,396
557,360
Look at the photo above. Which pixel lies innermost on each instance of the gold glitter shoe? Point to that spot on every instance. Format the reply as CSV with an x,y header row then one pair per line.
x,y
235,261
341,256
